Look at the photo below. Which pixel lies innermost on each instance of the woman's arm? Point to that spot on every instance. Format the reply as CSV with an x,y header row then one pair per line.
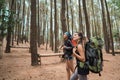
x,y
81,57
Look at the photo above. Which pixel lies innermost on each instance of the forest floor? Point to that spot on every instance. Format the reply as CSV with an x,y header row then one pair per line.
x,y
17,66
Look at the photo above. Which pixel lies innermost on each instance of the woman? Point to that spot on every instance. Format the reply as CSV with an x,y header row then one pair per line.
x,y
68,50
78,52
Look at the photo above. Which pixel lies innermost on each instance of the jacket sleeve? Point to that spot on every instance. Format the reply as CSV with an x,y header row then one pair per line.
x,y
70,46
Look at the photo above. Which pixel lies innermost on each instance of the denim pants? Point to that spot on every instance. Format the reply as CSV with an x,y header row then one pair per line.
x,y
76,76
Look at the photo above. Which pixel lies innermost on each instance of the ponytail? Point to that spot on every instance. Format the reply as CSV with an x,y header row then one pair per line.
x,y
81,37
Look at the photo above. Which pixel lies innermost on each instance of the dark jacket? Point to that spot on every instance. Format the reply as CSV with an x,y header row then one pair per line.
x,y
68,50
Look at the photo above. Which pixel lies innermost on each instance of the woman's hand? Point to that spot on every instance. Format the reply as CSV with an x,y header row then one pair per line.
x,y
81,55
74,49
64,47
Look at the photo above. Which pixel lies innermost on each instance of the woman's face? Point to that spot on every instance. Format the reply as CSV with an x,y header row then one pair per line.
x,y
65,36
75,36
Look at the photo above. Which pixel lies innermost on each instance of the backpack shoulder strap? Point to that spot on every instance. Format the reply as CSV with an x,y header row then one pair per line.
x,y
70,42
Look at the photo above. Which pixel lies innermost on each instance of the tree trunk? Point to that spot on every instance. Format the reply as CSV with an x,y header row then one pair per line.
x,y
1,47
46,18
44,24
104,28
99,28
13,33
28,26
18,23
117,28
86,19
7,50
12,39
23,23
71,15
9,30
56,27
44,27
95,26
33,35
68,26
80,17
18,32
92,27
47,35
63,18
38,32
109,24
51,27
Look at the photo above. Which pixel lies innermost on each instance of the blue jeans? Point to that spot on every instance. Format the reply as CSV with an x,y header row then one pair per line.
x,y
76,76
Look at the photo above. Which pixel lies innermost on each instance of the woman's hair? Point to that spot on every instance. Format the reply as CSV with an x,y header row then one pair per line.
x,y
68,35
80,34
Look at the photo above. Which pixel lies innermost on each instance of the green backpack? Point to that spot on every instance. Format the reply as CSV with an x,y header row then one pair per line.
x,y
93,52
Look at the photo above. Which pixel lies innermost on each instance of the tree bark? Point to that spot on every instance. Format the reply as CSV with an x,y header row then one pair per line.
x,y
56,28
68,26
8,50
71,15
38,32
28,26
18,23
44,27
33,35
104,28
95,26
109,24
63,18
23,23
46,10
86,19
9,30
51,26
80,18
